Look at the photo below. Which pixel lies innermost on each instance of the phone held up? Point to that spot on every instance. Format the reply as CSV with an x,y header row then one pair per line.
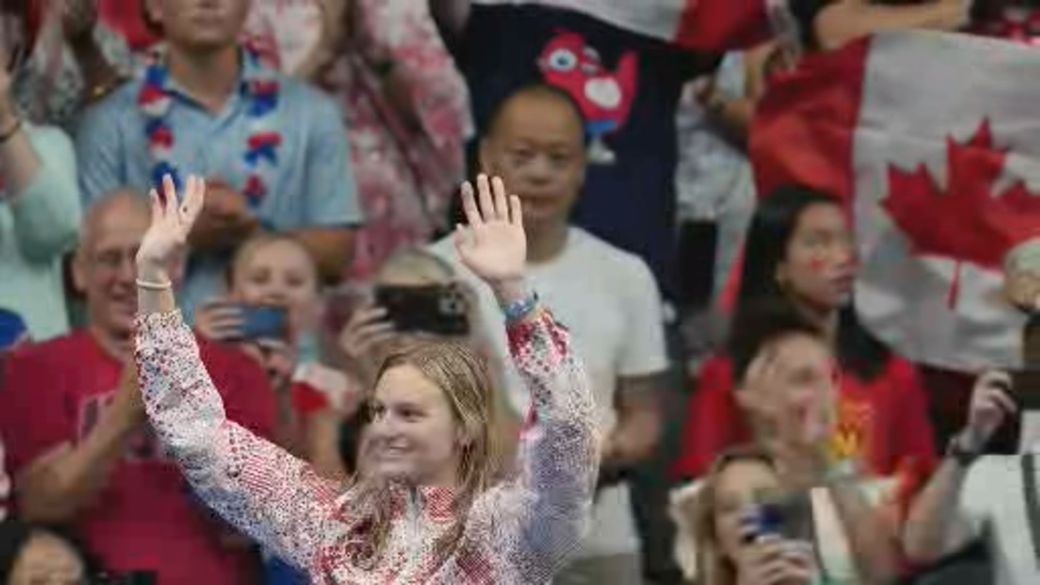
x,y
783,514
263,323
439,309
1025,385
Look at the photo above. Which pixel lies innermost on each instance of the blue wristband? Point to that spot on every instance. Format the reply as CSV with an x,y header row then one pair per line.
x,y
517,310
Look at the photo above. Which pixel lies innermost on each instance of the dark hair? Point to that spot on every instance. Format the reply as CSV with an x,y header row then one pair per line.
x,y
537,89
760,324
15,535
772,227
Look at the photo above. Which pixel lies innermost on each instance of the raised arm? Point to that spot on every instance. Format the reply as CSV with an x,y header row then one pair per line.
x,y
559,451
255,485
937,524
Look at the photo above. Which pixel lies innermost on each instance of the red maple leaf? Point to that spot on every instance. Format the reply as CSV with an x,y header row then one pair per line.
x,y
967,222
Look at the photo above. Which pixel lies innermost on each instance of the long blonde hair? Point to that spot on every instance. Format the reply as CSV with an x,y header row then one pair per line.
x,y
463,376
713,568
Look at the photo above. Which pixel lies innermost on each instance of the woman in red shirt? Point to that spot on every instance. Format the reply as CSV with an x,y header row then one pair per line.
x,y
800,250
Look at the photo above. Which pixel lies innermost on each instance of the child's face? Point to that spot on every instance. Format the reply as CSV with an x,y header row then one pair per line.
x,y
279,273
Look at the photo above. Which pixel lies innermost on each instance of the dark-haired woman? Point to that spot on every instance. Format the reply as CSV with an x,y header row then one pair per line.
x,y
800,250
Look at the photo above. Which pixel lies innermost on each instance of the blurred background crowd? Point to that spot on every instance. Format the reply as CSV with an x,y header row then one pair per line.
x,y
766,420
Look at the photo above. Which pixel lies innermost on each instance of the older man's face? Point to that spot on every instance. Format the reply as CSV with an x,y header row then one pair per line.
x,y
105,268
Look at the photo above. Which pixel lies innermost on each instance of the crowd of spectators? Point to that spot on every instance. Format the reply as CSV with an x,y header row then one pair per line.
x,y
717,325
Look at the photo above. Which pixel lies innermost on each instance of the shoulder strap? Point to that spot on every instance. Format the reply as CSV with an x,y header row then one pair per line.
x,y
1032,501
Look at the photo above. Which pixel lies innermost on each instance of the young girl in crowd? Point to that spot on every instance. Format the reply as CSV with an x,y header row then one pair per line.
x,y
720,521
427,509
276,271
800,252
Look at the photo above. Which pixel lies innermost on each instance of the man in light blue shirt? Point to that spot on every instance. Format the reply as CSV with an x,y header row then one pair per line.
x,y
273,150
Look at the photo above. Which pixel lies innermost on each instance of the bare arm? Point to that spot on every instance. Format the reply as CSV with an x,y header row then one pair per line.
x,y
638,428
846,21
332,248
936,525
874,544
321,436
61,483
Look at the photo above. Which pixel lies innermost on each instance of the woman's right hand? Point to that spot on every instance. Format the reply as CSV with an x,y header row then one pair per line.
x,y
367,328
172,221
219,321
776,561
990,407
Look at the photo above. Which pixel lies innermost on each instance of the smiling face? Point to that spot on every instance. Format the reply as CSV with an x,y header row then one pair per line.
x,y
105,269
413,435
278,272
801,394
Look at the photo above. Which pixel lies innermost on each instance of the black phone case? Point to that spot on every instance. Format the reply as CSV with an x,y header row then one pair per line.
x,y
440,310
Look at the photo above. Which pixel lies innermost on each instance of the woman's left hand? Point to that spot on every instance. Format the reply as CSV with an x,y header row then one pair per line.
x,y
493,246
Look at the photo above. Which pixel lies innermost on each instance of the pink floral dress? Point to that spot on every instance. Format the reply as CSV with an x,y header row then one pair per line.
x,y
518,531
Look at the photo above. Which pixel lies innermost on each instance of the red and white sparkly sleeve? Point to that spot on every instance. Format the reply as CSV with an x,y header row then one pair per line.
x,y
559,453
255,485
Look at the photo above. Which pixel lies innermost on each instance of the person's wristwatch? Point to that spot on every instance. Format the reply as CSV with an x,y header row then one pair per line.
x,y
962,455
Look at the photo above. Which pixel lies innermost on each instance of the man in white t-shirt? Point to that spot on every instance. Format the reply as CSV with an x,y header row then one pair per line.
x,y
606,297
994,498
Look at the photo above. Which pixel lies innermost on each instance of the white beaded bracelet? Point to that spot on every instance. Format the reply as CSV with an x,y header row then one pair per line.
x,y
148,285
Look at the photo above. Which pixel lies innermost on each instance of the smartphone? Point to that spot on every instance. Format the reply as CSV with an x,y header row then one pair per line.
x,y
784,514
437,309
261,322
1025,389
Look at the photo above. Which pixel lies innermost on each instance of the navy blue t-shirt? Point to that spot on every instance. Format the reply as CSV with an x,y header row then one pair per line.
x,y
627,86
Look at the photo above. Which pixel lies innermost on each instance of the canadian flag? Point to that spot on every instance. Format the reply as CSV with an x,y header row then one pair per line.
x,y
933,139
706,25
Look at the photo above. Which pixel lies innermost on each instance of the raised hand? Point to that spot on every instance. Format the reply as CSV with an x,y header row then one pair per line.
x,y
776,561
367,328
172,221
990,407
493,246
797,416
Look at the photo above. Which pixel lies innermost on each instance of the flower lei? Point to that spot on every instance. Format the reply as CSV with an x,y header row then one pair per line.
x,y
261,149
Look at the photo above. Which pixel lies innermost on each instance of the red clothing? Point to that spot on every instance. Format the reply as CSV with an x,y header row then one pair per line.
x,y
146,519
307,399
883,422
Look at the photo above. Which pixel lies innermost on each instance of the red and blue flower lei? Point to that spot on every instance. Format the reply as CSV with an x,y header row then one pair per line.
x,y
261,148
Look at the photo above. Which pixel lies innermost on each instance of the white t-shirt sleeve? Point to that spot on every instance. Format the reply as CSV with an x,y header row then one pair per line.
x,y
644,349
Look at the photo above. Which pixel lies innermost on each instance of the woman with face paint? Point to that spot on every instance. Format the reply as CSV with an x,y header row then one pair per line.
x,y
427,507
800,251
